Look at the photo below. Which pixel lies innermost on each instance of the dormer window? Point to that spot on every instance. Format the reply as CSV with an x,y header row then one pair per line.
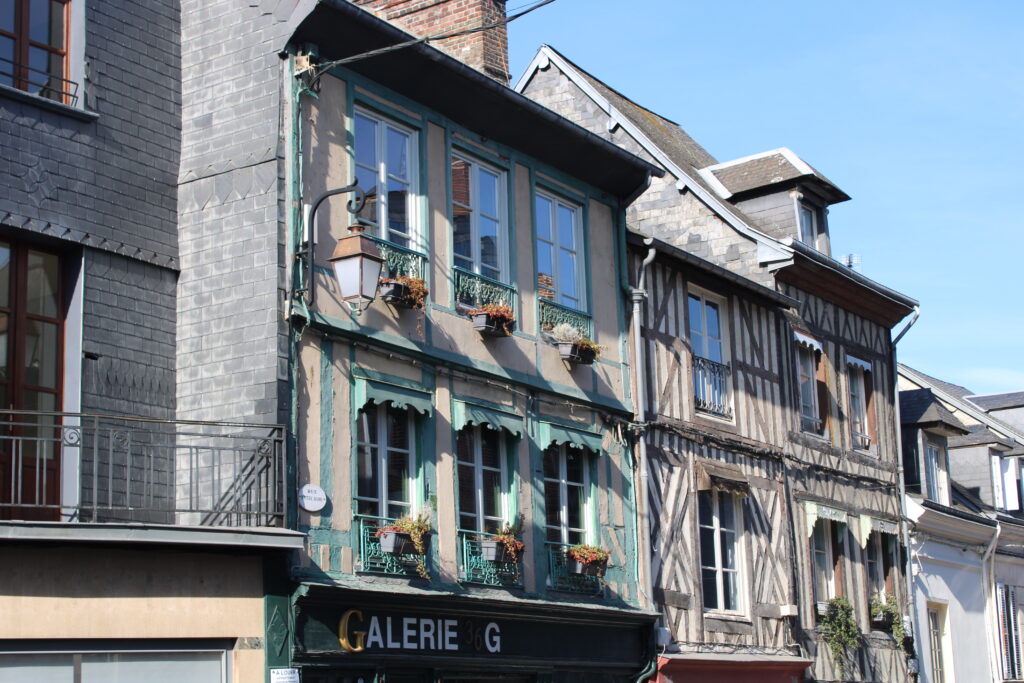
x,y
936,467
810,225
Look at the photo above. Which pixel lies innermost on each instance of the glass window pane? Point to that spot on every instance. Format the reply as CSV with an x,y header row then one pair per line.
x,y
398,154
574,461
366,142
367,180
488,189
41,354
566,227
551,458
552,504
554,535
39,20
463,239
464,446
545,271
153,667
4,322
492,493
368,424
709,583
696,316
398,476
43,293
398,429
57,13
6,17
726,511
489,241
575,506
6,61
460,181
711,314
729,592
728,544
543,211
707,547
398,210
490,448
367,472
38,75
704,508
467,490
567,273
51,668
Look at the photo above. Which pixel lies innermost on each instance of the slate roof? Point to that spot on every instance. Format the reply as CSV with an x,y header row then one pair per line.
x,y
920,407
1012,399
948,387
769,168
978,435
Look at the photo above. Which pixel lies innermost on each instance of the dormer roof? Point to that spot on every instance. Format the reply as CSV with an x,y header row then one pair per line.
x,y
920,408
766,172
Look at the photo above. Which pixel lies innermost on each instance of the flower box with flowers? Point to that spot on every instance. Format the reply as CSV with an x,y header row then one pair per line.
x,y
404,292
407,536
493,320
573,345
502,549
587,560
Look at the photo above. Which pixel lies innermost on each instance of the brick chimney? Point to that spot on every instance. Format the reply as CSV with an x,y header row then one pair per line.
x,y
486,51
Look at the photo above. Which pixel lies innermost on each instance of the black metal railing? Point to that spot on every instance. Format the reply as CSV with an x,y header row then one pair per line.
x,y
711,387
38,82
101,468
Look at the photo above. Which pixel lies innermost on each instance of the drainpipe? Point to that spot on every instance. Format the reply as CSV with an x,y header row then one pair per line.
x,y
638,295
988,568
904,529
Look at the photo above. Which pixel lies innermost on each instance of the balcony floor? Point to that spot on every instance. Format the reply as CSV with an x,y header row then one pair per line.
x,y
165,534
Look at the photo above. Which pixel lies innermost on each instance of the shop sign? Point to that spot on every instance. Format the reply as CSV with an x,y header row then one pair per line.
x,y
284,676
362,629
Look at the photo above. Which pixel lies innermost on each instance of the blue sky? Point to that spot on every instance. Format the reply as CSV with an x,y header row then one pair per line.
x,y
915,109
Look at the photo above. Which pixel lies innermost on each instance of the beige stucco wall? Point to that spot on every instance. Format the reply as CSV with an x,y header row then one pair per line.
x,y
54,593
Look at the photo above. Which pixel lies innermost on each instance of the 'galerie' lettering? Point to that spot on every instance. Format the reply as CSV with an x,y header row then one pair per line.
x,y
407,633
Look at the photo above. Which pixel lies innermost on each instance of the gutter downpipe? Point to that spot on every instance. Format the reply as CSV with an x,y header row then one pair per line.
x,y
904,519
988,566
638,295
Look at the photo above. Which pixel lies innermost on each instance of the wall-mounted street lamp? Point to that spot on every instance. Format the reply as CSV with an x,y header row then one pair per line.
x,y
357,260
357,263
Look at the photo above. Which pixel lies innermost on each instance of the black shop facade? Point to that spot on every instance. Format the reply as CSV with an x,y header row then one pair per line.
x,y
347,636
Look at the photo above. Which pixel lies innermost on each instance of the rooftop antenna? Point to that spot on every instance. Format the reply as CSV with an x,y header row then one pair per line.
x,y
851,261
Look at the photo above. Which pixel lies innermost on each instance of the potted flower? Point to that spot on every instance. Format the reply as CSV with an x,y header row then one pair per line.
x,y
407,536
588,560
504,546
493,320
838,628
573,346
404,291
885,616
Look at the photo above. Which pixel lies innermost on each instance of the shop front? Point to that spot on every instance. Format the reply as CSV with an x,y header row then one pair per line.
x,y
346,636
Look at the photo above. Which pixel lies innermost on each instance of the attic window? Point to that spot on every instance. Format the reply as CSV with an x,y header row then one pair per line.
x,y
810,225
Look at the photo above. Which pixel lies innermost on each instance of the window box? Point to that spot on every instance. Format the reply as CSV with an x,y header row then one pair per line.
x,y
403,292
491,325
493,550
597,568
400,543
881,622
575,352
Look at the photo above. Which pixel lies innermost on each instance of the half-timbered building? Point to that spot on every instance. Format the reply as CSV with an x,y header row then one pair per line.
x,y
766,398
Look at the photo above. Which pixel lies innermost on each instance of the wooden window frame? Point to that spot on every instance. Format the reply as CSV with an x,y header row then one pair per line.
x,y
379,222
579,249
834,536
379,431
480,521
23,43
475,212
820,394
563,529
717,564
861,404
883,547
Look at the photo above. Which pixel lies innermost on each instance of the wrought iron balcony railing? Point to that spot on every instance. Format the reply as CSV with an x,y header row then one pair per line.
x,y
38,82
476,568
562,579
401,261
552,314
711,387
372,558
99,468
473,290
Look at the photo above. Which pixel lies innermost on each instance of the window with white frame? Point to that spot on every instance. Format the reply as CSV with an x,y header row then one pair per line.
x,y
812,386
482,479
386,170
711,380
386,461
936,468
200,666
559,247
938,643
479,240
861,399
811,225
880,558
719,514
1009,632
827,550
565,494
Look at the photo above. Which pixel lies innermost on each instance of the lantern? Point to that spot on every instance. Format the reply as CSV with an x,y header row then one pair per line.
x,y
357,264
